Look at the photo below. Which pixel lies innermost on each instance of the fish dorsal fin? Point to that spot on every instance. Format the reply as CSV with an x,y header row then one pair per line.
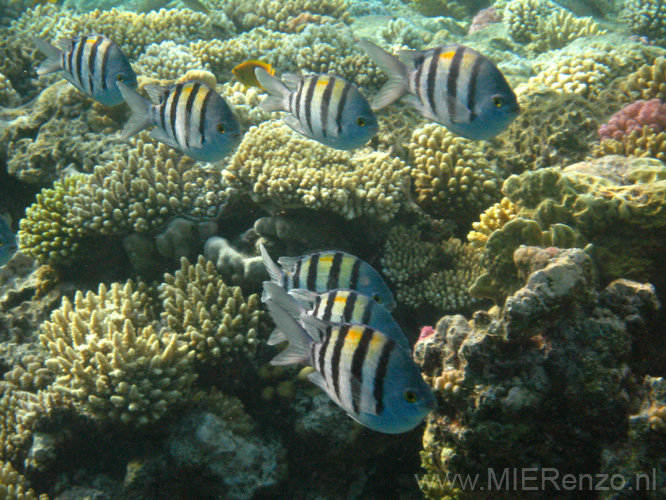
x,y
273,270
317,329
156,93
292,81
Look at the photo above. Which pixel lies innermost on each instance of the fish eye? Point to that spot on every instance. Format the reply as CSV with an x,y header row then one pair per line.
x,y
377,298
221,128
498,101
360,121
410,396
120,78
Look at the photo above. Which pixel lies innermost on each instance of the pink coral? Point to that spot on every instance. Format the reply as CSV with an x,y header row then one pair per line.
x,y
426,332
484,18
635,116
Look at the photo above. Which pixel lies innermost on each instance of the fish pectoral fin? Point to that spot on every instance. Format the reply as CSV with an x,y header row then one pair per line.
x,y
459,112
414,101
318,380
160,135
364,396
293,123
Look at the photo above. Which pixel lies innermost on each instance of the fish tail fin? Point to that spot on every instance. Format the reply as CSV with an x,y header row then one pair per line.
x,y
306,298
279,295
277,91
398,75
299,340
139,106
273,269
52,62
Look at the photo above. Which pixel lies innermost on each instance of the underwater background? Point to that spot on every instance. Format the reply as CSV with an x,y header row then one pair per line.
x,y
528,269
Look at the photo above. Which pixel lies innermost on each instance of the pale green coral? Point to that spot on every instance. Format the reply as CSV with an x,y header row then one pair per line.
x,y
281,169
560,28
109,356
521,17
213,319
435,274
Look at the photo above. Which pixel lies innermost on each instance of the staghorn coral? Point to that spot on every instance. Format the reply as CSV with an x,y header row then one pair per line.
x,y
214,320
109,358
490,221
436,274
281,169
646,18
452,179
521,369
47,232
559,28
14,486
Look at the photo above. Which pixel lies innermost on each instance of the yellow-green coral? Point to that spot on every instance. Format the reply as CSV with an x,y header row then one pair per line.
x,y
560,28
452,178
213,319
281,169
490,221
521,17
646,18
649,81
14,486
644,143
436,274
110,357
47,233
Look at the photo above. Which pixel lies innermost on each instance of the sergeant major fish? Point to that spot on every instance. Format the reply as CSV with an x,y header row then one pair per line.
x,y
365,372
453,85
189,116
325,108
338,306
92,63
323,271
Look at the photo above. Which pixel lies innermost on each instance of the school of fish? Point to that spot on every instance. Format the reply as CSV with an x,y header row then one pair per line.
x,y
332,307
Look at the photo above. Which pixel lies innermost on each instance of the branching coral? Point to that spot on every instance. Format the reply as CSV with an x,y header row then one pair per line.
x,y
646,18
560,28
14,486
430,273
282,169
643,143
452,179
109,357
490,221
213,319
649,81
521,17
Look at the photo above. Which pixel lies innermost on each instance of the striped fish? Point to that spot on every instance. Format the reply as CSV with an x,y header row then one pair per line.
x,y
323,271
339,306
92,63
188,116
364,371
325,108
453,85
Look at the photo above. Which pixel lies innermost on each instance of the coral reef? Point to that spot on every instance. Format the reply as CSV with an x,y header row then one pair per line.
x,y
299,172
433,8
634,117
214,320
560,28
646,18
109,358
13,486
518,372
649,81
491,220
452,179
485,18
434,274
521,17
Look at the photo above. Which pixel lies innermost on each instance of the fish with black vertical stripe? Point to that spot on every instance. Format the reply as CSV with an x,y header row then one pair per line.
x,y
453,85
325,108
340,305
94,64
364,371
188,116
323,271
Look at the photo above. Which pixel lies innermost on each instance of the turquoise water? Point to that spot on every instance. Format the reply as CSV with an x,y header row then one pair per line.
x,y
498,164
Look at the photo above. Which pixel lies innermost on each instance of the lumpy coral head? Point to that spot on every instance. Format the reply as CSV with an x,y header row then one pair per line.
x,y
634,117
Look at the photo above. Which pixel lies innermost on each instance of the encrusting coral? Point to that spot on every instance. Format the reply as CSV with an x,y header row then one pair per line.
x,y
452,178
515,373
214,320
281,169
436,274
110,357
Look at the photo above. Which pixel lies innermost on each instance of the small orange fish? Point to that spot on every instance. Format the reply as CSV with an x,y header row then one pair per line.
x,y
244,72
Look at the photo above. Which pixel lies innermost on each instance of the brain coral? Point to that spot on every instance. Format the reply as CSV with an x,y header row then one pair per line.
x,y
281,169
109,357
436,274
213,319
452,178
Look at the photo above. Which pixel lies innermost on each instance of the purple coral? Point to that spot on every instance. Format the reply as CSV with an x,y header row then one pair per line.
x,y
484,18
635,116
